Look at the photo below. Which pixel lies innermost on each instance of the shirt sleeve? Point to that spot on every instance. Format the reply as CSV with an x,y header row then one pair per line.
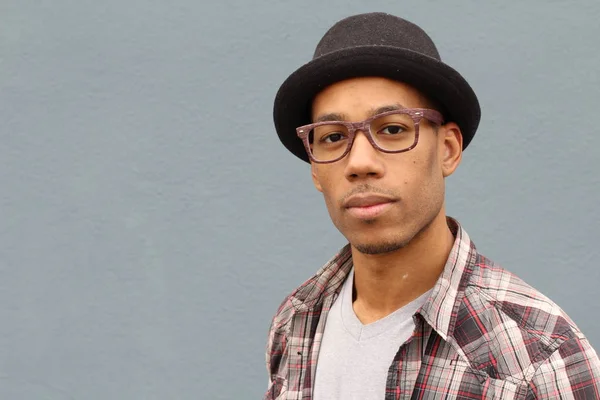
x,y
274,351
268,352
276,339
572,372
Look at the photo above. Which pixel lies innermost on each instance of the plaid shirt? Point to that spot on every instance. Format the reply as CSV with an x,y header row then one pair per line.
x,y
482,334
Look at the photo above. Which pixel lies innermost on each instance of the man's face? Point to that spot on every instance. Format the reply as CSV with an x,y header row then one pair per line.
x,y
381,201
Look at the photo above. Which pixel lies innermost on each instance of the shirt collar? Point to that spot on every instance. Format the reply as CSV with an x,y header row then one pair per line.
x,y
438,308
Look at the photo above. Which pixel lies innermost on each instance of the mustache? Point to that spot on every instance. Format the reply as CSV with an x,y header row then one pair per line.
x,y
366,188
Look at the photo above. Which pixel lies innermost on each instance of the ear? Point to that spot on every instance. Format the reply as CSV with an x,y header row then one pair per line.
x,y
315,179
451,141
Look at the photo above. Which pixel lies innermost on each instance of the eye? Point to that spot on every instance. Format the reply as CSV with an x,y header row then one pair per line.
x,y
392,130
333,137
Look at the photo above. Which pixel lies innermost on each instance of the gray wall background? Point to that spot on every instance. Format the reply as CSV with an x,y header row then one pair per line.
x,y
151,222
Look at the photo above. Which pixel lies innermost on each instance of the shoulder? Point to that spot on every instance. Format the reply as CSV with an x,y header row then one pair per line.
x,y
310,295
276,341
505,326
302,308
281,322
516,300
284,313
292,303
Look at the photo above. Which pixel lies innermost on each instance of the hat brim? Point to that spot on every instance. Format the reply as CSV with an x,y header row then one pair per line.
x,y
433,78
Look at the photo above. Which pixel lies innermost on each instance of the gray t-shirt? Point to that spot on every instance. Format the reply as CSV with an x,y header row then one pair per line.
x,y
354,358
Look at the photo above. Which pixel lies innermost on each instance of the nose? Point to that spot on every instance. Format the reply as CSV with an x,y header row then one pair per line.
x,y
364,160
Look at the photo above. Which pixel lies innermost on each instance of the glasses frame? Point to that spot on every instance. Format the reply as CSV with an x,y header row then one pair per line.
x,y
417,114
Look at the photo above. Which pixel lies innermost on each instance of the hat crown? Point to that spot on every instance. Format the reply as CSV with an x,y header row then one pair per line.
x,y
376,29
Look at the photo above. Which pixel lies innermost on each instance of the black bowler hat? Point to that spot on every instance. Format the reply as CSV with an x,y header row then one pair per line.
x,y
374,44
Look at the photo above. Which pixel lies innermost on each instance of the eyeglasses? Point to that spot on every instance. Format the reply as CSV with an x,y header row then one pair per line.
x,y
389,132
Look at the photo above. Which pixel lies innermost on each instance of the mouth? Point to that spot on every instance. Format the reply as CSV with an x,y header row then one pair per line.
x,y
368,206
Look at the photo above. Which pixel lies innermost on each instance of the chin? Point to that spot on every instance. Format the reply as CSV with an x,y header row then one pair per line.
x,y
379,248
379,240
370,243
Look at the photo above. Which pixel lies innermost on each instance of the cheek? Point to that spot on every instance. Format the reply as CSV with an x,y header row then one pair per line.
x,y
422,177
327,185
428,162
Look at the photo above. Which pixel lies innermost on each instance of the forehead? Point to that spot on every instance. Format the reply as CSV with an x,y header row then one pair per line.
x,y
356,97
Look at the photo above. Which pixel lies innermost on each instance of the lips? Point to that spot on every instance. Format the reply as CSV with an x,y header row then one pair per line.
x,y
368,206
366,200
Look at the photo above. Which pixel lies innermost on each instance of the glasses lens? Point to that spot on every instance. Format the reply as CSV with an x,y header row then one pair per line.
x,y
394,132
328,141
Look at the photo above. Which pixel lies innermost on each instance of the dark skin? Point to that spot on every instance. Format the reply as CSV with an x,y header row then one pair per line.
x,y
400,253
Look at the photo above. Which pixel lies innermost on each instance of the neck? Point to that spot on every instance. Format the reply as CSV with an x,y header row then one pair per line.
x,y
385,282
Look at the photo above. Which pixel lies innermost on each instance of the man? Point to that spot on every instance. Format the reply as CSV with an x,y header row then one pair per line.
x,y
409,308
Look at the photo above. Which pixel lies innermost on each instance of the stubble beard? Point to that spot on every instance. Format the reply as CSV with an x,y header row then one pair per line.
x,y
402,239
380,248
384,247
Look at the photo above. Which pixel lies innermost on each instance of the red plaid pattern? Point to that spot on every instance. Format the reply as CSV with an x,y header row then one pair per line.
x,y
482,334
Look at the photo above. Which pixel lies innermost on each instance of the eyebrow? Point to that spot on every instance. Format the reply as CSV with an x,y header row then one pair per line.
x,y
331,117
373,111
386,108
